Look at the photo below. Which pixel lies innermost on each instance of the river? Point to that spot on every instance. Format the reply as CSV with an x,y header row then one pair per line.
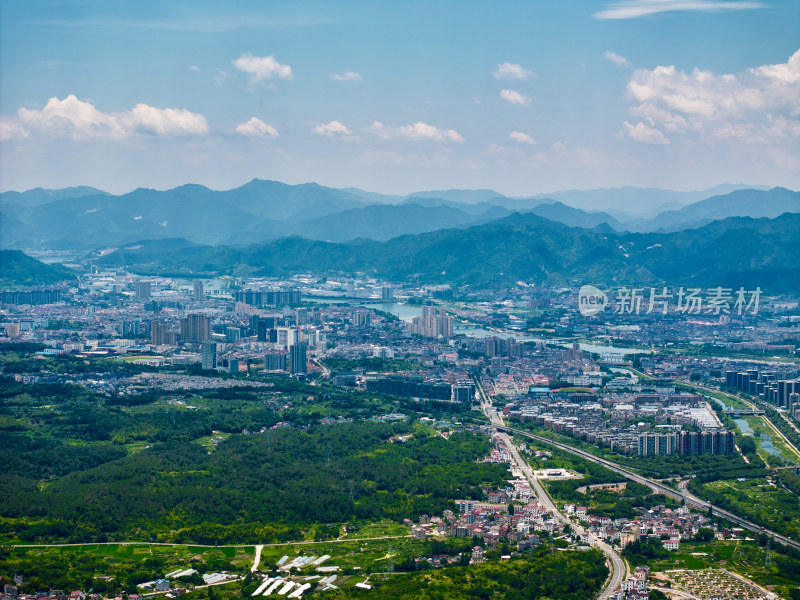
x,y
765,440
406,312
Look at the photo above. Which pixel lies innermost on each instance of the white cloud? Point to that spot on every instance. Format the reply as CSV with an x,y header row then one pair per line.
x,y
632,9
514,97
416,131
333,129
654,114
618,60
78,119
164,121
719,106
346,76
423,131
194,68
380,130
511,71
71,117
255,127
522,138
642,133
262,67
11,129
785,73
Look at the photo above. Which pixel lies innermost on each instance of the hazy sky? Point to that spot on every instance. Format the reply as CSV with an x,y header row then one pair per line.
x,y
522,97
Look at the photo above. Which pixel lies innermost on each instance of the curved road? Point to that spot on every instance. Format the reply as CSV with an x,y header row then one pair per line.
x,y
690,499
618,567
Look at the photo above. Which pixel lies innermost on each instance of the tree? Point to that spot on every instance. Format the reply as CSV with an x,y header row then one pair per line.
x,y
747,444
704,534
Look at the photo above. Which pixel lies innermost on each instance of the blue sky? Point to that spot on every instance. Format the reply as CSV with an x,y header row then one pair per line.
x,y
522,97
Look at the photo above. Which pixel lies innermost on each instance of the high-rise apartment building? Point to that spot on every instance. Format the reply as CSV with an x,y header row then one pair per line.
x,y
143,290
297,359
209,355
161,335
195,328
275,361
269,298
199,292
287,336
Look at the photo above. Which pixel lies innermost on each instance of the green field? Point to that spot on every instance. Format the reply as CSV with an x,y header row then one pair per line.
x,y
767,501
72,567
763,435
747,558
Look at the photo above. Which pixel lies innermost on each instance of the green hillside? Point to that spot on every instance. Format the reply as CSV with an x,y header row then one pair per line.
x,y
17,269
522,247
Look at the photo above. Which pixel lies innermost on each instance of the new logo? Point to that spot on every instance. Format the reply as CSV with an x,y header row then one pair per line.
x,y
591,300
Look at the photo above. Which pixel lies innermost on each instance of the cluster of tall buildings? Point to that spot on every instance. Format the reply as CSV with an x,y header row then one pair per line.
x,y
33,298
162,335
361,319
433,323
496,346
269,297
687,443
294,361
194,328
782,393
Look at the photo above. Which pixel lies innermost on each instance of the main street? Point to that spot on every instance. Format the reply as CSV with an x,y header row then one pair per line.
x,y
619,568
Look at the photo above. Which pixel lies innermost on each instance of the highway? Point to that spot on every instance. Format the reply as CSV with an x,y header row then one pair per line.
x,y
619,568
660,488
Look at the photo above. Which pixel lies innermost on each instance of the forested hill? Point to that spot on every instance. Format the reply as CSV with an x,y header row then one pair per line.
x,y
249,489
19,269
521,247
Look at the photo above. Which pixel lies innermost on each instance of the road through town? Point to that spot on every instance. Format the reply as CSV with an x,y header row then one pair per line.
x,y
619,568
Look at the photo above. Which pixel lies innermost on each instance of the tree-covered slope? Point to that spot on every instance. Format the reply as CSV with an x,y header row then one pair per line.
x,y
17,269
521,247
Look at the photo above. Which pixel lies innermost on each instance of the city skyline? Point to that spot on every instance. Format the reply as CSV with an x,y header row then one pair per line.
x,y
523,99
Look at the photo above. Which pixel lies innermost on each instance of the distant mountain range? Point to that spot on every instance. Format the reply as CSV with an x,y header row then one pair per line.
x,y
39,196
520,247
627,203
84,218
749,203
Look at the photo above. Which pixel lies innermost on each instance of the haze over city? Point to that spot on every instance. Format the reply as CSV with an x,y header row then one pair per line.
x,y
520,97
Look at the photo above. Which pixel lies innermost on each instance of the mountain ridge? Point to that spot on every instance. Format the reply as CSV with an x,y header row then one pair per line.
x,y
266,209
521,247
